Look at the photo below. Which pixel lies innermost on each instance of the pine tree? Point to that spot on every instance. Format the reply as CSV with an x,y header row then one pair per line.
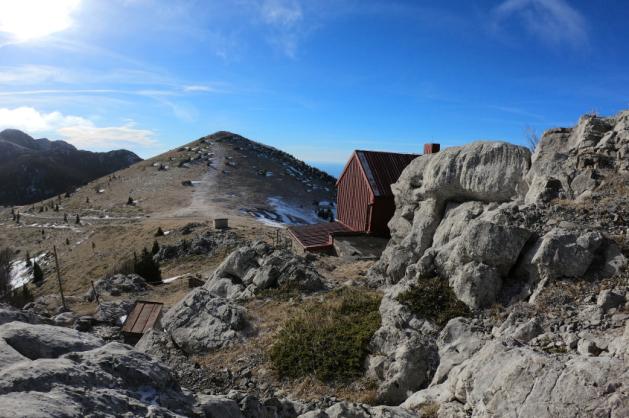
x,y
28,259
160,232
65,217
155,248
67,241
130,201
38,274
147,267
78,219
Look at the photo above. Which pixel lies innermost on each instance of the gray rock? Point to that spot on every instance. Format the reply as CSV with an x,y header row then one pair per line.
x,y
218,407
405,354
482,172
457,342
353,410
568,163
588,348
57,371
258,267
117,285
608,299
507,379
113,312
9,314
203,321
44,341
65,319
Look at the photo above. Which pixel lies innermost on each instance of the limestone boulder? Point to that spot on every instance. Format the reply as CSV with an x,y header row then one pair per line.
x,y
252,269
117,285
203,321
569,162
404,354
507,379
56,371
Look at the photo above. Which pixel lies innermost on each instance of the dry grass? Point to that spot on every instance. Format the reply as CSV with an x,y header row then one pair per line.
x,y
429,410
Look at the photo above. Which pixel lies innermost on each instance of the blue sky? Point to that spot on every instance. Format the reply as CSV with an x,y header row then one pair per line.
x,y
316,78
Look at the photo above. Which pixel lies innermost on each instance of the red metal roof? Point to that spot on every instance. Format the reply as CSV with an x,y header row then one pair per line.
x,y
317,236
142,317
382,169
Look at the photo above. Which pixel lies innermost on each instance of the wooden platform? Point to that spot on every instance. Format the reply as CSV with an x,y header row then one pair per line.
x,y
318,237
142,318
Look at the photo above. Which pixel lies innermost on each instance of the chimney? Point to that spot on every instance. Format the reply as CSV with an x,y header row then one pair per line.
x,y
431,148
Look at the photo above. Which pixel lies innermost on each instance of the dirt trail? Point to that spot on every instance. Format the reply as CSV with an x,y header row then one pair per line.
x,y
201,204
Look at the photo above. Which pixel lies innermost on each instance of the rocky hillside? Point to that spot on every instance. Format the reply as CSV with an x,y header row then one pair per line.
x,y
503,292
536,247
35,169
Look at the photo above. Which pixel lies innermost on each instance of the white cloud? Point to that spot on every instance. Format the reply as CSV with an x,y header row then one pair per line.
x,y
281,12
24,20
77,130
285,20
553,21
198,88
88,136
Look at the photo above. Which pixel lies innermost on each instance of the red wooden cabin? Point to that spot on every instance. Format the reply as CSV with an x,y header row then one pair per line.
x,y
365,203
364,198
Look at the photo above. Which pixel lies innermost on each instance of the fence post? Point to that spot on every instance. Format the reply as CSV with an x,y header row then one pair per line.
x,y
95,293
63,300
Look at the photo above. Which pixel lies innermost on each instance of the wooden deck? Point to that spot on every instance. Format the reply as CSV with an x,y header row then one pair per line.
x,y
317,237
142,318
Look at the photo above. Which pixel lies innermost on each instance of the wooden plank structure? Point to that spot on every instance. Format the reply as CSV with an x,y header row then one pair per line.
x,y
142,318
317,237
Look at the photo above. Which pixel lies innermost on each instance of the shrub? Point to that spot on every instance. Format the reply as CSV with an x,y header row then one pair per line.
x,y
433,299
19,297
328,339
123,267
6,257
38,274
148,268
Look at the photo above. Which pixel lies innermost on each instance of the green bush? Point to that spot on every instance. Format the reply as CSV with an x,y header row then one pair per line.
x,y
155,248
148,268
328,339
38,274
434,300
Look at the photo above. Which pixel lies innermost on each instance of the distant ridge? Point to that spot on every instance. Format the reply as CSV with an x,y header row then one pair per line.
x,y
35,169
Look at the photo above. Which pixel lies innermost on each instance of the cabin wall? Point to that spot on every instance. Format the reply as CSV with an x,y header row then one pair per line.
x,y
353,197
381,213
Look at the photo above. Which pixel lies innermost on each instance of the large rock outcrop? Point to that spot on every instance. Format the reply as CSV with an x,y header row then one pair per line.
x,y
258,267
404,352
572,162
506,377
432,186
457,218
203,321
478,217
53,371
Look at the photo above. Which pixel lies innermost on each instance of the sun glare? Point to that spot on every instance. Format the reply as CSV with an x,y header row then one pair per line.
x,y
25,20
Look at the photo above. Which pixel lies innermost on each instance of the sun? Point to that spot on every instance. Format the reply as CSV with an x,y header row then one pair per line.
x,y
25,20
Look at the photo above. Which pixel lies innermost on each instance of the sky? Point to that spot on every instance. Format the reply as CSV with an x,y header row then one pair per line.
x,y
316,78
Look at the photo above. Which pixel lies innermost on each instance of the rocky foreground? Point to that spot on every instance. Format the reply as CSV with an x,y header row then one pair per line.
x,y
534,322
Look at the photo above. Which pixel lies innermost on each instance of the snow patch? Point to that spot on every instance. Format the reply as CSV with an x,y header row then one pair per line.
x,y
22,274
282,213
